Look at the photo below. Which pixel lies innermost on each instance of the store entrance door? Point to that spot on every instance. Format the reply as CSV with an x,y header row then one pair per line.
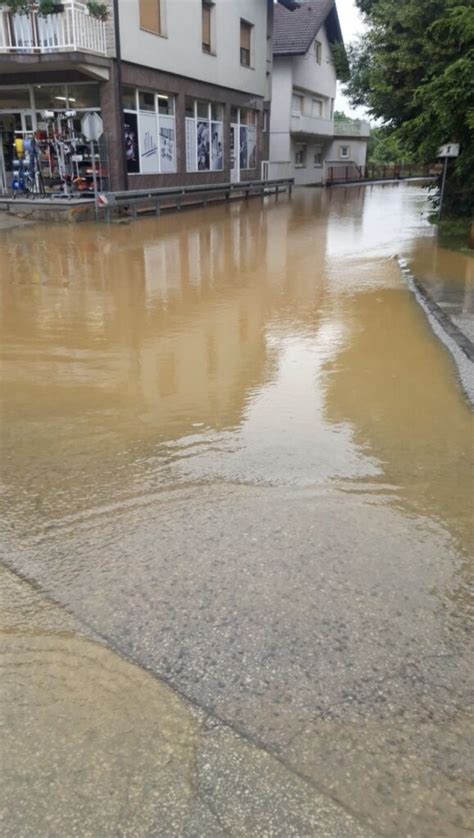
x,y
12,125
234,154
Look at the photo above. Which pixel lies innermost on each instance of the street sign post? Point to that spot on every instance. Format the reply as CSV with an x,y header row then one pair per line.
x,y
92,127
446,151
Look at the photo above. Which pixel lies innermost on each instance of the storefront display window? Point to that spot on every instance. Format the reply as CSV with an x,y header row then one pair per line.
x,y
14,98
245,122
204,136
150,134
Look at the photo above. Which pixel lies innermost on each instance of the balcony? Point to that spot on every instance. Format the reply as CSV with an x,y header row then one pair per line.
x,y
311,125
351,128
72,30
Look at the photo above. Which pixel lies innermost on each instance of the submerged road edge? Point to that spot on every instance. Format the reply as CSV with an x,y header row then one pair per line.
x,y
453,338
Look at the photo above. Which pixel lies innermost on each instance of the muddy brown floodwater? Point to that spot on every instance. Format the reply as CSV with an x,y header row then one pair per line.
x,y
237,489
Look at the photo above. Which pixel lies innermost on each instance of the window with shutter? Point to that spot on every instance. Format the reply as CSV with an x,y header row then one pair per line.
x,y
206,26
150,16
245,43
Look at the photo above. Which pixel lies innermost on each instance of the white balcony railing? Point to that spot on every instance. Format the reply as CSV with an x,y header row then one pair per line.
x,y
70,30
351,128
303,124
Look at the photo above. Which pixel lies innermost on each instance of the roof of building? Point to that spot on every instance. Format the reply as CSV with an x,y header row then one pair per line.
x,y
295,31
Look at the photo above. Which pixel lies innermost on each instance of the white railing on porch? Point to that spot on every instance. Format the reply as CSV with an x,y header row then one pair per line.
x,y
72,29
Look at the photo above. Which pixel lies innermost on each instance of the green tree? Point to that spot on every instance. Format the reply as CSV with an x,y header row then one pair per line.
x,y
414,72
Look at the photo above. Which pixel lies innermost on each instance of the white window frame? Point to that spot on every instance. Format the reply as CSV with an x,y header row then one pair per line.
x,y
318,152
251,64
137,111
212,27
320,102
195,118
344,156
296,95
247,125
303,164
318,52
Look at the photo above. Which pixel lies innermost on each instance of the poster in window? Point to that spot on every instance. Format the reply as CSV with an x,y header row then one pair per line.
x,y
131,142
148,143
243,146
252,147
167,144
217,147
190,145
203,146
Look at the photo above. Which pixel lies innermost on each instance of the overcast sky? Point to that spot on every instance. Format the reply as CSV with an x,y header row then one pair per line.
x,y
351,24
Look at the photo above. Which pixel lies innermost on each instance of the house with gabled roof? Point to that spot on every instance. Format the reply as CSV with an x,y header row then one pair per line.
x,y
304,138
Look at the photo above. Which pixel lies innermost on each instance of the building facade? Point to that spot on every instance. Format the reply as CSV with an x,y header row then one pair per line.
x,y
182,88
304,137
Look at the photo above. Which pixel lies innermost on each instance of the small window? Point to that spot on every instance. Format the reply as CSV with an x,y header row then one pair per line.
x,y
202,110
297,102
300,156
216,112
207,26
189,106
146,101
317,52
165,104
129,99
318,157
245,43
150,15
344,151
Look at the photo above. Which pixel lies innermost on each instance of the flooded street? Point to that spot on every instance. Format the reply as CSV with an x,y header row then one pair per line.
x,y
237,526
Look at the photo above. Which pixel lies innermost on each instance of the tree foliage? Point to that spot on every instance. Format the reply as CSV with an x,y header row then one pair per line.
x,y
414,71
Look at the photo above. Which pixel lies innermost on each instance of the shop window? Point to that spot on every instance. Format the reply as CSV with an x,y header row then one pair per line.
x,y
245,120
245,43
150,16
49,97
344,152
150,132
165,104
129,98
14,98
300,156
204,136
83,96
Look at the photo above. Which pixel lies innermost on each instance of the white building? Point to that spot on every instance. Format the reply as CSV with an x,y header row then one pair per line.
x,y
305,140
182,86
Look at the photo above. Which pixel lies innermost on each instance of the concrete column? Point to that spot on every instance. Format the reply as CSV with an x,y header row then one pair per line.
x,y
111,107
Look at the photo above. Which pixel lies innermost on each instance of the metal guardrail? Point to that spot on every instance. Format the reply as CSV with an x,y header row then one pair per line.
x,y
132,198
351,173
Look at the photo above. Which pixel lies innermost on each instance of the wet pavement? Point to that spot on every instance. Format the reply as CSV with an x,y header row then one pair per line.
x,y
237,462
